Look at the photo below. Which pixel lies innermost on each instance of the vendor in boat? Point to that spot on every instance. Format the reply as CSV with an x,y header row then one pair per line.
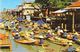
x,y
12,23
64,35
32,35
49,34
59,31
70,36
41,40
75,37
20,28
17,37
6,25
71,48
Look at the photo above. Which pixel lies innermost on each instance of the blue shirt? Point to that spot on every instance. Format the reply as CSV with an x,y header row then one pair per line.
x,y
71,49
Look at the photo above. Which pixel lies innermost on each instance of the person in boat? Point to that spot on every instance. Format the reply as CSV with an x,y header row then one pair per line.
x,y
75,37
59,31
6,25
71,48
41,40
32,35
57,28
12,23
49,34
17,37
70,36
20,28
64,35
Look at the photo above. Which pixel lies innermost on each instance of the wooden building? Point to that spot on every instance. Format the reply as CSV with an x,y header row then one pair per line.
x,y
69,17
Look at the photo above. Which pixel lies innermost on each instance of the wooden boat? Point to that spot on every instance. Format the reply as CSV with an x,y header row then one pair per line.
x,y
5,41
59,41
22,40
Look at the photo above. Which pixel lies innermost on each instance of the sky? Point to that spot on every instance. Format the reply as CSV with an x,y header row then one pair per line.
x,y
11,4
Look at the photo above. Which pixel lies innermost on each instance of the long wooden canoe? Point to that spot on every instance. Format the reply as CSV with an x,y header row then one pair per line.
x,y
22,40
59,41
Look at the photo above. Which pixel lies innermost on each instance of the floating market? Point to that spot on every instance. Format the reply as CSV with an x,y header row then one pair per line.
x,y
32,27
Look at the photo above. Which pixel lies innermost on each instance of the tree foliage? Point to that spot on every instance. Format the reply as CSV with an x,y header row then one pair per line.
x,y
55,3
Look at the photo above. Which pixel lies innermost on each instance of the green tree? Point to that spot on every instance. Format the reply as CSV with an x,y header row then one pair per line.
x,y
55,3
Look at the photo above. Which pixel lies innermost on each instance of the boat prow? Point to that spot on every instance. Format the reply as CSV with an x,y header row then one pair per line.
x,y
24,41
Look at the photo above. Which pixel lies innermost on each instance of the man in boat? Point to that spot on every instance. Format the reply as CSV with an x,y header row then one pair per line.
x,y
71,48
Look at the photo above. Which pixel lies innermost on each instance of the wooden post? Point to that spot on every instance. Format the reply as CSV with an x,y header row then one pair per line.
x,y
46,13
65,27
73,22
62,25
